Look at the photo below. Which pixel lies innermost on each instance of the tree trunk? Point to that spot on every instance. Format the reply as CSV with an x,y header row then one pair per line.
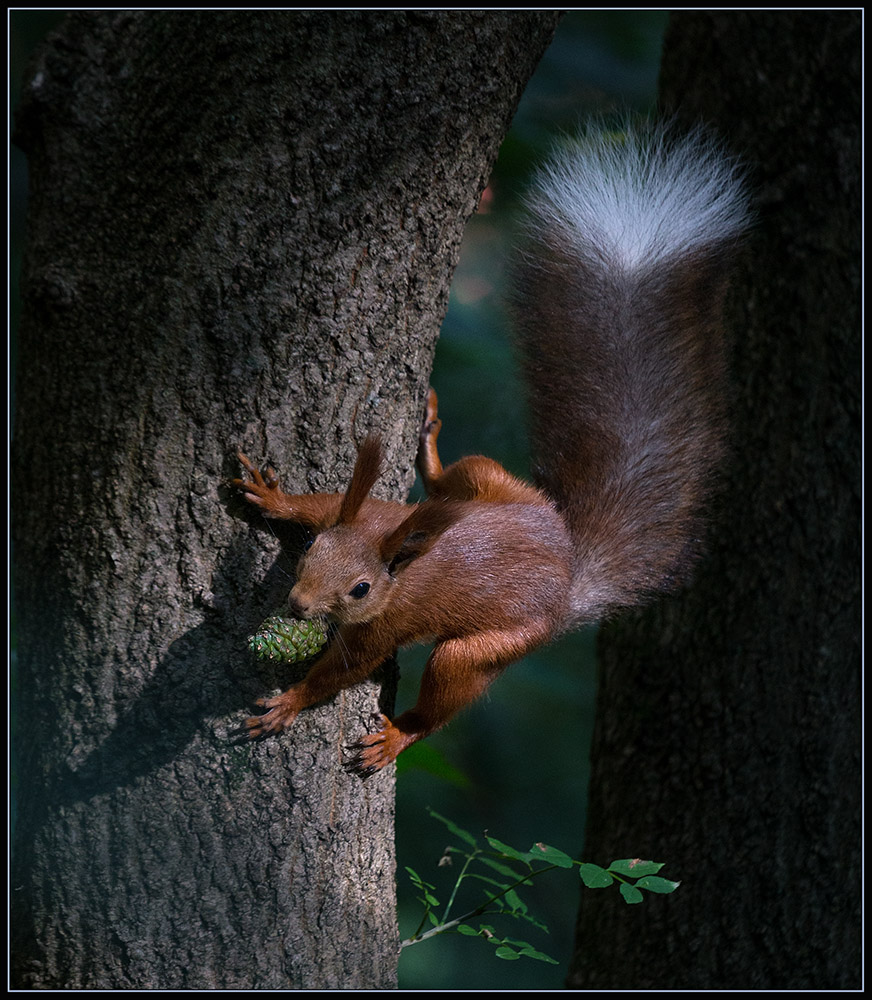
x,y
242,231
728,735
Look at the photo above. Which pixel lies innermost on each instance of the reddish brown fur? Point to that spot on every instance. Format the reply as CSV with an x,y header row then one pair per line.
x,y
484,571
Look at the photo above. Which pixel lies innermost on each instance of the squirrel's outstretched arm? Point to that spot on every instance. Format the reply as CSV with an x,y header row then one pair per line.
x,y
457,672
314,510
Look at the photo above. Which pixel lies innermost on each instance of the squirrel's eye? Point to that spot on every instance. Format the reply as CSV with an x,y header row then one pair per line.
x,y
308,544
360,590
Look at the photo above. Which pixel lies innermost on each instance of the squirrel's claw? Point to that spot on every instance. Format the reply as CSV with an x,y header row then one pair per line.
x,y
357,766
258,487
282,710
374,750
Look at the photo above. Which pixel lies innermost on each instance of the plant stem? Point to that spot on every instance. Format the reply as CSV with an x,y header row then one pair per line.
x,y
469,859
482,908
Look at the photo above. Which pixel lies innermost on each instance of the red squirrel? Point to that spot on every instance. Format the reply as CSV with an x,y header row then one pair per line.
x,y
618,306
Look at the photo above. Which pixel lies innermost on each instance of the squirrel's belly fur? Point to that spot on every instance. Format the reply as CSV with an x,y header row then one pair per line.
x,y
618,307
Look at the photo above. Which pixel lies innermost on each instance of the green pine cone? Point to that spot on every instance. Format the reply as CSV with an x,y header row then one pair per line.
x,y
287,639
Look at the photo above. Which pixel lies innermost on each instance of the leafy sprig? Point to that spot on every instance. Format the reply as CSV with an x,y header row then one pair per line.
x,y
507,870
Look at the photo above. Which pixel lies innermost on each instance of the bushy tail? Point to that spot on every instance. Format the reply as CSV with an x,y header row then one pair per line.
x,y
619,308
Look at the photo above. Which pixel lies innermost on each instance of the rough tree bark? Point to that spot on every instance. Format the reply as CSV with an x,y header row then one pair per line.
x,y
728,739
242,230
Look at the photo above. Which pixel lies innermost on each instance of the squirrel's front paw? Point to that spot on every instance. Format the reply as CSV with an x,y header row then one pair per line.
x,y
283,709
373,751
260,490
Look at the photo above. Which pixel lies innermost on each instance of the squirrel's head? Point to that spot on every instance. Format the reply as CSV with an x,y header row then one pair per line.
x,y
341,576
349,573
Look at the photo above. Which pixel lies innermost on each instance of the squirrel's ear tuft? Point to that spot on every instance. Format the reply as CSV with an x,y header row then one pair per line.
x,y
366,472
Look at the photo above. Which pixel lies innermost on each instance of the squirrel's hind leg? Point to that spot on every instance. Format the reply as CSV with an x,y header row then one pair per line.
x,y
472,478
429,464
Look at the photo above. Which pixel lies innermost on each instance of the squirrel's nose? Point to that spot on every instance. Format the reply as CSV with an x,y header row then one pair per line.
x,y
298,607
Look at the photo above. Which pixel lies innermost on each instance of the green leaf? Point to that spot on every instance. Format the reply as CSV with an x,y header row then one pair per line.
x,y
594,877
507,953
455,829
631,894
416,878
521,915
653,883
532,920
502,869
467,930
550,854
531,952
504,849
634,867
515,901
525,948
488,880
